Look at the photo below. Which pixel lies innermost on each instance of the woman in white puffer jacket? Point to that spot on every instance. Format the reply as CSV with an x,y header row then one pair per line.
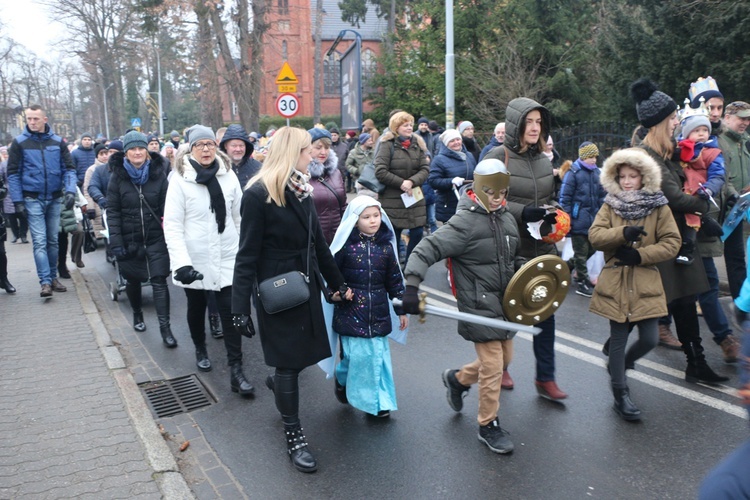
x,y
201,227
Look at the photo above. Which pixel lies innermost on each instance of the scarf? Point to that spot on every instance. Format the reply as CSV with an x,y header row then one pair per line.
x,y
207,177
139,176
405,141
299,183
635,205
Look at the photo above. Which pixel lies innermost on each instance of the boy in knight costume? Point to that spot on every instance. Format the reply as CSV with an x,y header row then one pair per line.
x,y
481,236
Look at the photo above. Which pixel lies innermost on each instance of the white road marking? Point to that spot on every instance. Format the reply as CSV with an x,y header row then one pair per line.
x,y
710,401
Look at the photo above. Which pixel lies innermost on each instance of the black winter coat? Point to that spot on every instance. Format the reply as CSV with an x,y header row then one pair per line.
x,y
444,167
273,240
132,226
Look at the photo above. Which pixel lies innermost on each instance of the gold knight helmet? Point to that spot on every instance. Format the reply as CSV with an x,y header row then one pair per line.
x,y
491,180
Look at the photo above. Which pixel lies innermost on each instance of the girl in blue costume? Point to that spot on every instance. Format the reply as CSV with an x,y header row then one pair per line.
x,y
366,252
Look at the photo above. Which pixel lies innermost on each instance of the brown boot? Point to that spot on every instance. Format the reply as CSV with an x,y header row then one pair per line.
x,y
667,338
731,348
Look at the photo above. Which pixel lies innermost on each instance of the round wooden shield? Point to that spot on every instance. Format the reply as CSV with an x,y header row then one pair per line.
x,y
537,290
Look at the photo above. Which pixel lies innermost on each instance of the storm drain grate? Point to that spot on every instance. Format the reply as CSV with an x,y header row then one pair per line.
x,y
167,398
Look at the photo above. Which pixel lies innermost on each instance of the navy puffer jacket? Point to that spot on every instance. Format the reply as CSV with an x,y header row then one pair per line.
x,y
444,167
83,158
581,196
370,267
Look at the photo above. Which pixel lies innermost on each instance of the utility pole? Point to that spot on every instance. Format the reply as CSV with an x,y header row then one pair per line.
x,y
450,100
161,109
106,116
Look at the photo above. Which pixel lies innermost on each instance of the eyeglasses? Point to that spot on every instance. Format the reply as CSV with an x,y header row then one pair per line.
x,y
205,145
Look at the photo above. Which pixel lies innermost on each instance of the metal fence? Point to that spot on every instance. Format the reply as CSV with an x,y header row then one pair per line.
x,y
608,137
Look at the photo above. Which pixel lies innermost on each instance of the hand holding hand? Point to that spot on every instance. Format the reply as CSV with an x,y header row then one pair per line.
x,y
633,233
243,324
410,302
187,274
627,256
69,200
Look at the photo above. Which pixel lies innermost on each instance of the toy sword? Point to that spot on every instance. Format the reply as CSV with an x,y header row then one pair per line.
x,y
425,308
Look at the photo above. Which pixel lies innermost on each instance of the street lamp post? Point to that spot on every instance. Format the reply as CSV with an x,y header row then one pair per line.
x,y
106,116
158,76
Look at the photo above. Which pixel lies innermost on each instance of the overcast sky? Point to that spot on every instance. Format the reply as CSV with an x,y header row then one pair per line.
x,y
27,23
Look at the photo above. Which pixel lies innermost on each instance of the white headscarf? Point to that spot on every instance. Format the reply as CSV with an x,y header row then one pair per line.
x,y
348,223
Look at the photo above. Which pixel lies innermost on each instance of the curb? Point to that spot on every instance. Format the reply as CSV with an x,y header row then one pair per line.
x,y
167,475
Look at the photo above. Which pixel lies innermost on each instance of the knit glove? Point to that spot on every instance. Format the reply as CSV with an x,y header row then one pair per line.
x,y
243,324
410,304
457,181
533,214
69,200
710,227
627,256
187,274
633,233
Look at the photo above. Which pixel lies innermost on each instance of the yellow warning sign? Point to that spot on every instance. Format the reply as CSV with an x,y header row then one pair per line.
x,y
286,76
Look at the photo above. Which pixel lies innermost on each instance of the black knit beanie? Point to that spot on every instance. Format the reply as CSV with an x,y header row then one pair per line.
x,y
651,104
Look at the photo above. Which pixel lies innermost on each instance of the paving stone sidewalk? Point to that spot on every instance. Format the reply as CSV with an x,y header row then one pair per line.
x,y
73,423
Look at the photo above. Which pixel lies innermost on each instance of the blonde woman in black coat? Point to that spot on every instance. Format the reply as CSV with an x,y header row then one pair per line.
x,y
276,210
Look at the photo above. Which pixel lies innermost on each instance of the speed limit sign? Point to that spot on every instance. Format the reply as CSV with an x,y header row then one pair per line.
x,y
287,105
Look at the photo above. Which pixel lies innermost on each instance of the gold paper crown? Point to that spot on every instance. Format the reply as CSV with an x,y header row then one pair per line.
x,y
687,111
702,85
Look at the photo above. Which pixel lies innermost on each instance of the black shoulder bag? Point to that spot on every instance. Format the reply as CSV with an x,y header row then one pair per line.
x,y
287,290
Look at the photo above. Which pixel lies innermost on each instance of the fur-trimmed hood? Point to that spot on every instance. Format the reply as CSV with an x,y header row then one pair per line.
x,y
636,158
318,169
181,162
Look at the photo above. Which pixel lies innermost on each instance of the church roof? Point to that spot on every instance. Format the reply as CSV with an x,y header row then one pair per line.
x,y
372,28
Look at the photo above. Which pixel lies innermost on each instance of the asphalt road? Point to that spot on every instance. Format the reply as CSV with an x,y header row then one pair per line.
x,y
425,450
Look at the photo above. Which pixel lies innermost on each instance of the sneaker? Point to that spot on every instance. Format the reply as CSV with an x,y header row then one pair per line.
x,y
731,348
57,286
667,338
456,392
584,289
495,437
46,291
683,260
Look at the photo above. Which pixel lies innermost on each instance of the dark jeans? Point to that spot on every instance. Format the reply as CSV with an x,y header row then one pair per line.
x,y
713,313
197,302
734,258
648,336
544,350
415,236
18,225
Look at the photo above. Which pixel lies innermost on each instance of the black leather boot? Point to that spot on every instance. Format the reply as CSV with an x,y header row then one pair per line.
x,y
76,246
161,304
4,283
133,291
697,368
201,358
624,406
296,445
214,321
239,383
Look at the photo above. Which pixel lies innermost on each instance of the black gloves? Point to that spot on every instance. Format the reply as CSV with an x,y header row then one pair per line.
x,y
411,300
533,214
627,256
243,324
710,227
3,192
20,207
69,200
187,274
633,233
118,252
731,201
102,202
550,218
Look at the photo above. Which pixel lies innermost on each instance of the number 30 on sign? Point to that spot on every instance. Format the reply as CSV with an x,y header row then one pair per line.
x,y
287,105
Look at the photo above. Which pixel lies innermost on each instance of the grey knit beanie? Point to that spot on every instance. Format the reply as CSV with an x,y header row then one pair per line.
x,y
134,139
198,133
651,104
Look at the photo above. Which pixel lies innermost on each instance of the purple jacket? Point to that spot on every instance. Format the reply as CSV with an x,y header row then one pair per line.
x,y
370,268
